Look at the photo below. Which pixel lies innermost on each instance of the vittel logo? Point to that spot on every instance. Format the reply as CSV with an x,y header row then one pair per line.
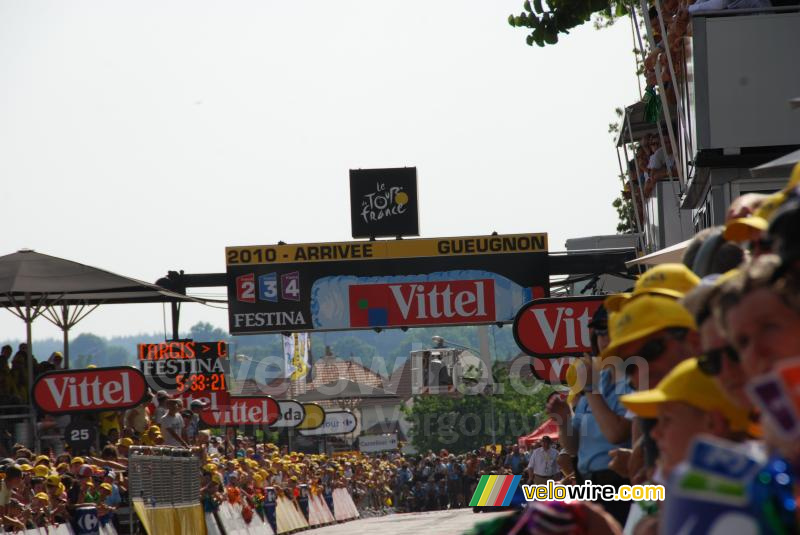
x,y
421,303
556,327
89,390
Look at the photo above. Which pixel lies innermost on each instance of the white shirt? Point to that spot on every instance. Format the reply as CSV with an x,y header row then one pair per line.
x,y
543,462
176,424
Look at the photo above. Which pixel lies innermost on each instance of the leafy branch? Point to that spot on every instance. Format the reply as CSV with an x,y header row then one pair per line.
x,y
560,16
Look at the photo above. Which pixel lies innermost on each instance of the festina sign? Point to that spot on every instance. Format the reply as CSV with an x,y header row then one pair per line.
x,y
336,423
89,390
556,327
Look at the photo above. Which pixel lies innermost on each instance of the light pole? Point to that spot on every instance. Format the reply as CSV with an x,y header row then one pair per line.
x,y
439,342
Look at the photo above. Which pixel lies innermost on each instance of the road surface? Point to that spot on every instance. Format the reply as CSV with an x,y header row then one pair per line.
x,y
452,522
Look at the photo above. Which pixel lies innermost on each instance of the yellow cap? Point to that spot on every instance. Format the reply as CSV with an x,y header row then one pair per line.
x,y
126,441
741,229
107,486
671,280
686,383
42,496
42,458
77,460
53,480
644,316
572,381
25,467
794,179
41,470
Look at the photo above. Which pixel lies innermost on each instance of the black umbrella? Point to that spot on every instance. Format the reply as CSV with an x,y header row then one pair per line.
x,y
64,292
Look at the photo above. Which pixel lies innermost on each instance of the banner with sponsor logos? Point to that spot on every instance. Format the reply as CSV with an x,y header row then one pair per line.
x,y
224,409
556,327
89,390
335,423
384,284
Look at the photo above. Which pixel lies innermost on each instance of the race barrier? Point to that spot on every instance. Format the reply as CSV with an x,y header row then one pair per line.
x,y
165,495
343,506
232,521
164,486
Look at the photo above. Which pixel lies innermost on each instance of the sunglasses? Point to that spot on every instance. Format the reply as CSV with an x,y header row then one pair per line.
x,y
653,349
711,362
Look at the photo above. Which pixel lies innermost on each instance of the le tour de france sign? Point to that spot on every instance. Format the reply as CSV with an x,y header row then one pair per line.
x,y
384,284
383,202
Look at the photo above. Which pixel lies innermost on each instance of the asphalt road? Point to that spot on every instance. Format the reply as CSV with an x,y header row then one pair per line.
x,y
452,522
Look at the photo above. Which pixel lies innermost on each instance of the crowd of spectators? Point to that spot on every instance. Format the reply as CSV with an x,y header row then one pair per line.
x,y
678,358
675,359
40,489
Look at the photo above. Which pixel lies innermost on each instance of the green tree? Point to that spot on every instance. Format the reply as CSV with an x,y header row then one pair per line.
x,y
625,215
547,19
90,348
205,332
465,423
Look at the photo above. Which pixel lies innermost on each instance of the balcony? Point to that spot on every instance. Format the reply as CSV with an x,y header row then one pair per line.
x,y
741,74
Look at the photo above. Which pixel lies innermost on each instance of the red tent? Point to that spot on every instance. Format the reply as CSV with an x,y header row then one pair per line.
x,y
549,428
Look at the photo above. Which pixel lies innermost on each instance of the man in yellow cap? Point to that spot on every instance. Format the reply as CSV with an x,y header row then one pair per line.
x,y
598,423
655,330
668,280
649,337
686,403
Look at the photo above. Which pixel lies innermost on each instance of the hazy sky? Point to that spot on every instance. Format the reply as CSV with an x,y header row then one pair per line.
x,y
144,136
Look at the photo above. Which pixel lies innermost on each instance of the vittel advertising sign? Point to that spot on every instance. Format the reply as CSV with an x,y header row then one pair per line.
x,y
556,327
89,390
384,284
224,409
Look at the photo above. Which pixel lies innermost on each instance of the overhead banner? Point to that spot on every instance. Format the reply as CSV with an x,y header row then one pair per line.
x,y
383,202
336,423
556,327
384,284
